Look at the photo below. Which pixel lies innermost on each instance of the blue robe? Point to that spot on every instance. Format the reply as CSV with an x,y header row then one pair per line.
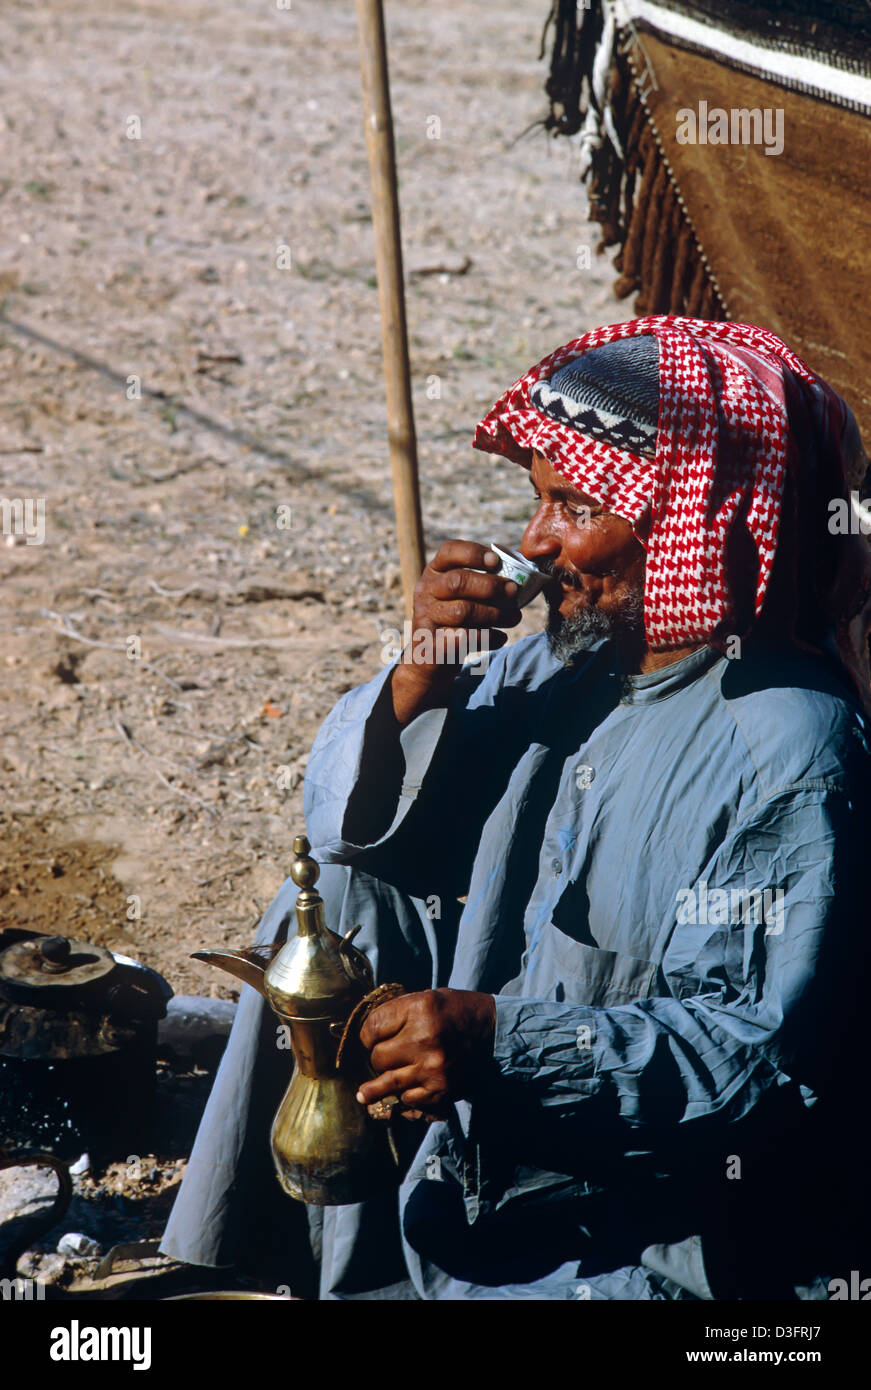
x,y
661,880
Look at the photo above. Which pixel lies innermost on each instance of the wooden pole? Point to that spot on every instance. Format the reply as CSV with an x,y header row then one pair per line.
x,y
391,293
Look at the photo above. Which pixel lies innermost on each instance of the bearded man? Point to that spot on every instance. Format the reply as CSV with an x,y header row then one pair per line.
x,y
621,873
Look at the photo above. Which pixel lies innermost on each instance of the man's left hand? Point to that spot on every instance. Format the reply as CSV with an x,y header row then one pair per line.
x,y
430,1048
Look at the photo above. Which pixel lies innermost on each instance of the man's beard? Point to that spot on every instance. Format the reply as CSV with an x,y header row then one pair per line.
x,y
570,638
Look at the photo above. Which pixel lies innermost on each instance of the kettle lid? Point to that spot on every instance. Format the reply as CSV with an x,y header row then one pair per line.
x,y
55,971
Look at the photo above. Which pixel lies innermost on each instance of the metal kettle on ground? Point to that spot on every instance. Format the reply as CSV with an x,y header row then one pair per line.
x,y
327,1148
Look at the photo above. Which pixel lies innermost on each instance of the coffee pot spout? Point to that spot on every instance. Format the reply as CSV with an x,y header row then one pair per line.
x,y
249,965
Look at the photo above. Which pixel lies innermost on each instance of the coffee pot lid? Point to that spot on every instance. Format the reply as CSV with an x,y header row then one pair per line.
x,y
316,973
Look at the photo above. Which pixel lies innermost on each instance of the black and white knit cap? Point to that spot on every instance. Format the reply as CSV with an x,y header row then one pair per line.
x,y
609,393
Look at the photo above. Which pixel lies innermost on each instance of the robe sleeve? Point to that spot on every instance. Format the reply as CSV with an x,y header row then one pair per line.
x,y
752,1008
408,804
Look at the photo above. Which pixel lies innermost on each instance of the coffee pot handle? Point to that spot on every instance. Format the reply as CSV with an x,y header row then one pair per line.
x,y
355,962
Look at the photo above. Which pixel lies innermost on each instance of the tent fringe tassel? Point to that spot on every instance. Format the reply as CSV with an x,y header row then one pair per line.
x,y
632,189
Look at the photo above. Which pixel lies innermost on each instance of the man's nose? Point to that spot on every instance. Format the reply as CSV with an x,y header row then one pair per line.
x,y
540,539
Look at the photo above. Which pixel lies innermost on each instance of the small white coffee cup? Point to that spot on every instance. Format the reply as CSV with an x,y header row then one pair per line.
x,y
526,575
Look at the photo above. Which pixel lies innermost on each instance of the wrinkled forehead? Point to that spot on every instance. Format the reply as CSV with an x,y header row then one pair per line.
x,y
545,475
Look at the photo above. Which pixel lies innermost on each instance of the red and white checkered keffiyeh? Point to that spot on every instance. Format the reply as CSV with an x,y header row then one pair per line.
x,y
722,456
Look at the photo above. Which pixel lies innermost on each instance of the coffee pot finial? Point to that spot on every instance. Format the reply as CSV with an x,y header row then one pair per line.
x,y
304,870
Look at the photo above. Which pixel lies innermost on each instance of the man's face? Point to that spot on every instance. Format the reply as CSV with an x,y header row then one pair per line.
x,y
596,562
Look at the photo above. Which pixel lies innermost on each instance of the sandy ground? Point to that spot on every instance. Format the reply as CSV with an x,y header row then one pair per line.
x,y
175,392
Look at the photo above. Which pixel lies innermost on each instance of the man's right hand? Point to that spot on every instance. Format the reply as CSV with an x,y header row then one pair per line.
x,y
452,600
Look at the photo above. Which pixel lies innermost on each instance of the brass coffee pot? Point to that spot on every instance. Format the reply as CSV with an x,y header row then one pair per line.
x,y
326,1146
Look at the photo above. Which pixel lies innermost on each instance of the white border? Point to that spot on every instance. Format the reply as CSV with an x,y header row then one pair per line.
x,y
847,86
